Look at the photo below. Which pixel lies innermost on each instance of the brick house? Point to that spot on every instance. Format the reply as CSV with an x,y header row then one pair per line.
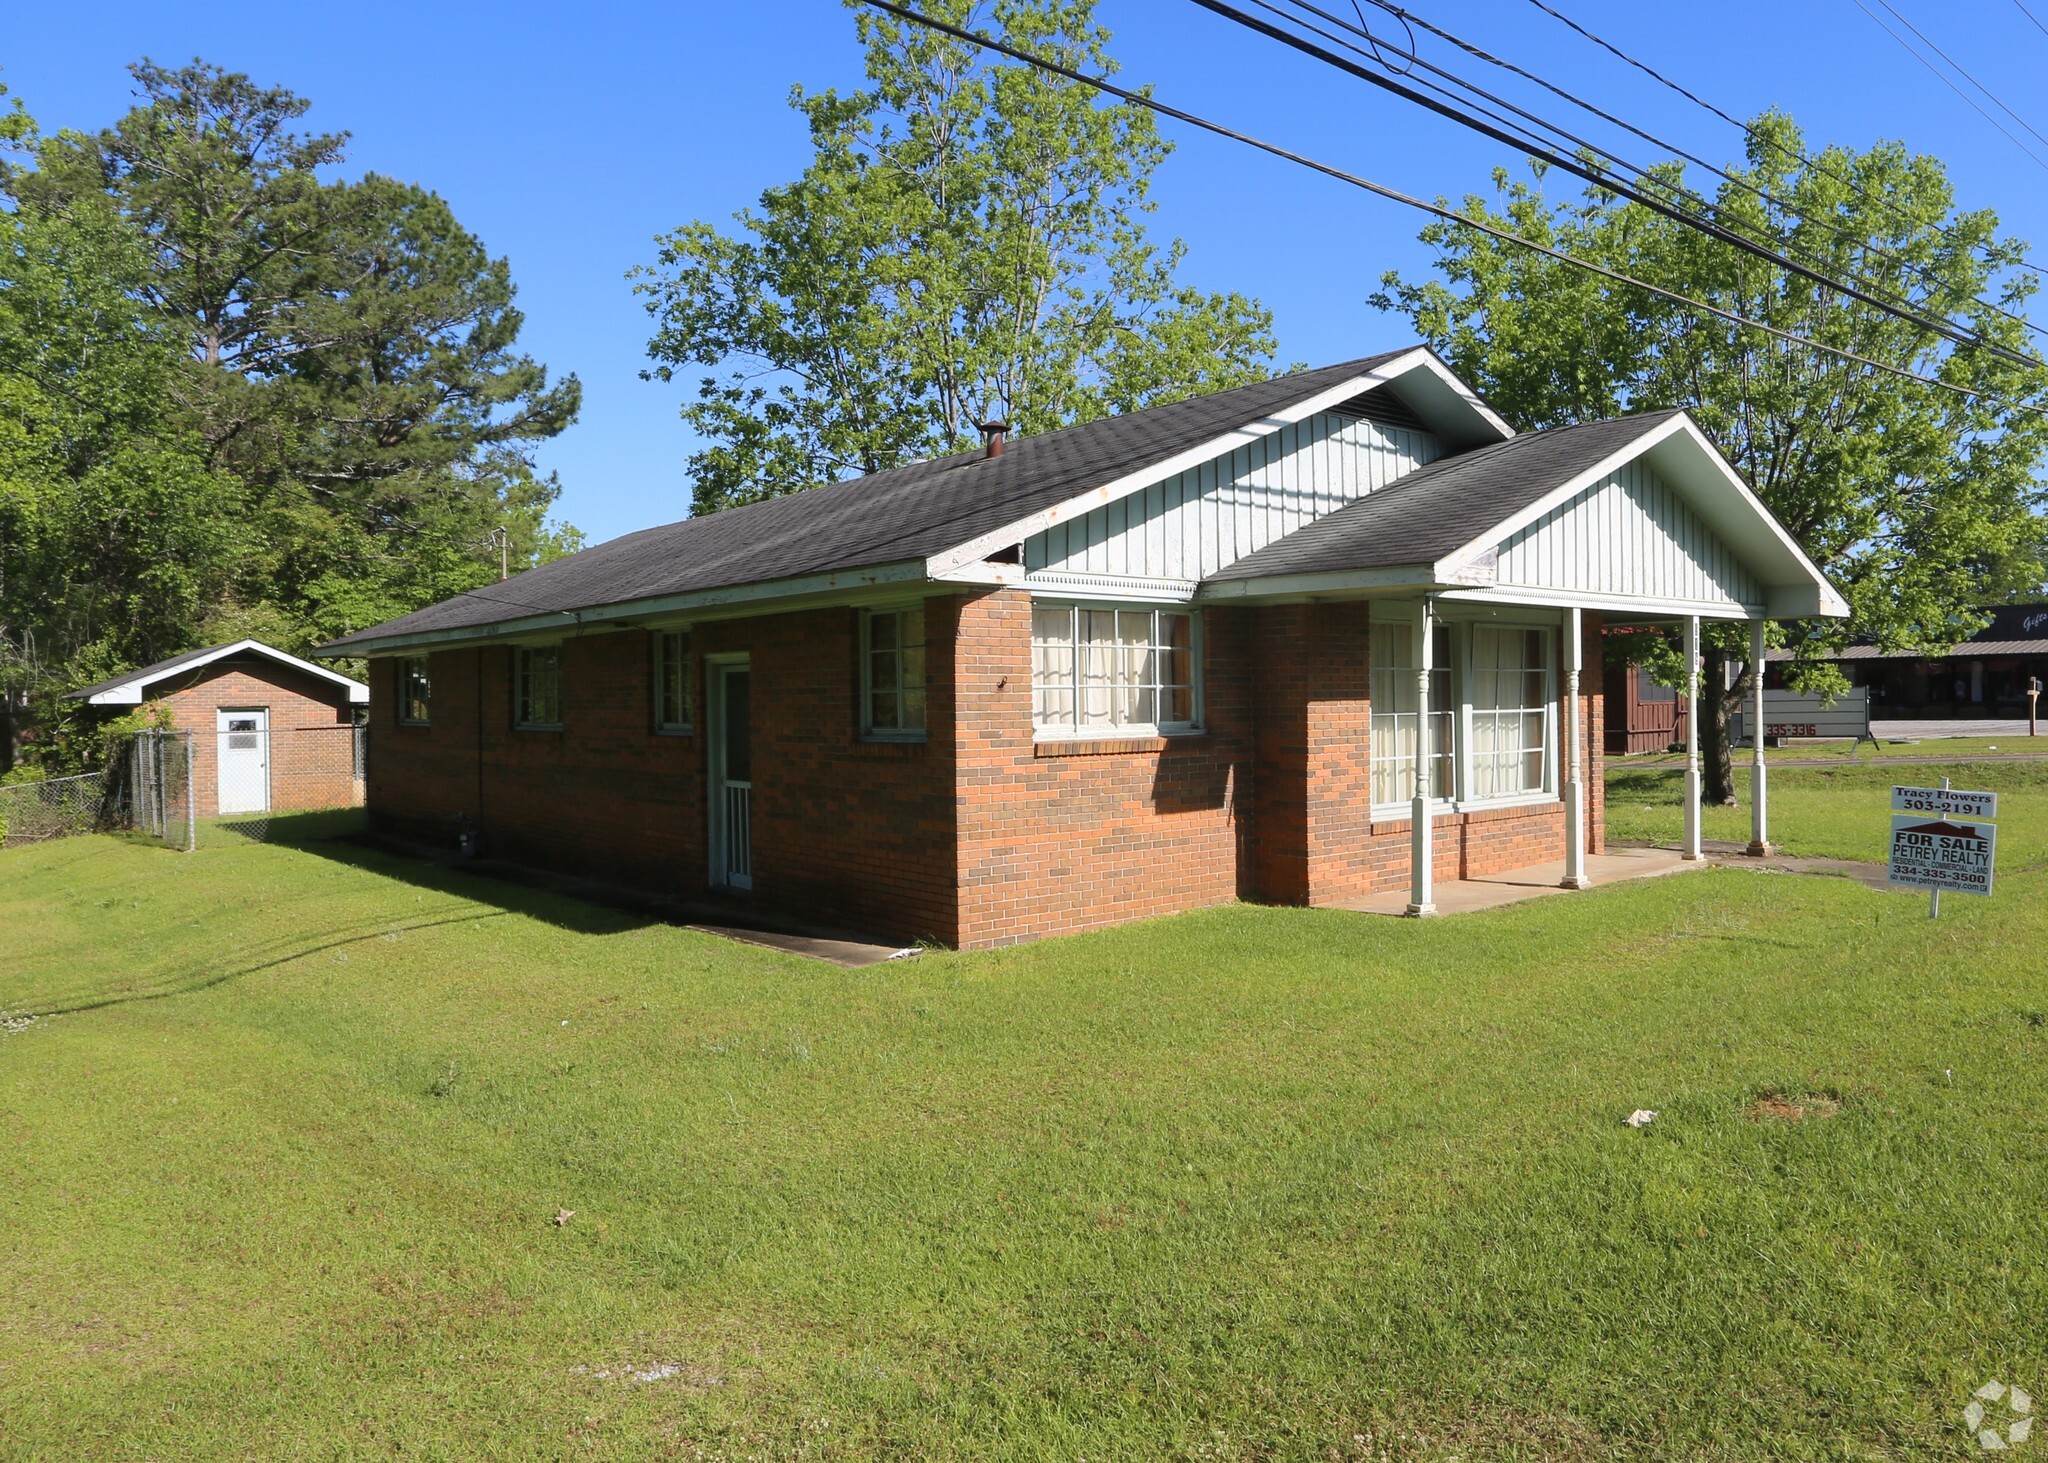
x,y
1241,646
270,732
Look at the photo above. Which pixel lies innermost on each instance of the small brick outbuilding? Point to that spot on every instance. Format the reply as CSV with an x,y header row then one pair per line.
x,y
270,732
1301,641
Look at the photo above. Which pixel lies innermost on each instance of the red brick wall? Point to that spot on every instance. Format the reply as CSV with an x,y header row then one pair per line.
x,y
1061,837
312,746
1272,802
844,831
979,836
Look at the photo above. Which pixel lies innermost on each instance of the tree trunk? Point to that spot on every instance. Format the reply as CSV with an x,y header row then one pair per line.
x,y
1718,704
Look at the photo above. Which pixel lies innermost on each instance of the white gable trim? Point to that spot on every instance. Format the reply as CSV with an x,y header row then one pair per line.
x,y
968,556
1808,594
128,692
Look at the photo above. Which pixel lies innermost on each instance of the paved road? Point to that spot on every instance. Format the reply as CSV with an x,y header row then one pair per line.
x,y
1888,729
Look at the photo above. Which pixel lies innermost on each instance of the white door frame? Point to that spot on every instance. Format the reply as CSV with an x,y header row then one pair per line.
x,y
221,721
717,788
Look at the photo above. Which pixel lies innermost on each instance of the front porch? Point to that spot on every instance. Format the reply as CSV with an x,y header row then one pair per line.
x,y
1490,891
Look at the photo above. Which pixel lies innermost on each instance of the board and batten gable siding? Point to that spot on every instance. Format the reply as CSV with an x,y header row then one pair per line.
x,y
1628,534
1191,525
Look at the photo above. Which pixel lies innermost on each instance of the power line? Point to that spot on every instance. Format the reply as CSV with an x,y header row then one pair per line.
x,y
1410,20
1762,139
1946,80
1698,205
1939,326
2043,29
1153,104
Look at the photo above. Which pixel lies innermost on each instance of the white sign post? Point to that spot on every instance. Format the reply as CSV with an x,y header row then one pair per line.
x,y
1942,839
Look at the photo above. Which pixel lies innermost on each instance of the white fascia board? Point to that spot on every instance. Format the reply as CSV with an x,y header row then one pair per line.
x,y
129,692
1416,578
1112,586
732,600
967,556
1631,604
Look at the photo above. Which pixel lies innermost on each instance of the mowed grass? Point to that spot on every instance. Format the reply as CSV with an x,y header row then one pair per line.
x,y
282,1171
1836,812
1952,749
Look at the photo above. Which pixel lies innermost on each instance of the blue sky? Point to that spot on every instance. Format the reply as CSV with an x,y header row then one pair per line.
x,y
567,137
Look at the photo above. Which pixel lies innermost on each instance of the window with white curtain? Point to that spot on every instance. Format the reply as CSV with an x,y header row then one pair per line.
x,y
1113,670
1396,720
1511,711
1493,720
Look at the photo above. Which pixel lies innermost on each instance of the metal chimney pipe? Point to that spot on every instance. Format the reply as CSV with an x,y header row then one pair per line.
x,y
993,434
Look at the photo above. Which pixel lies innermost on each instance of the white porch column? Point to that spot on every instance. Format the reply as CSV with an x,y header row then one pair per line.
x,y
1759,820
1574,784
1421,846
1692,737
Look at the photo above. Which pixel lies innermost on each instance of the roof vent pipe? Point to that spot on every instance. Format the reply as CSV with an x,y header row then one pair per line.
x,y
992,434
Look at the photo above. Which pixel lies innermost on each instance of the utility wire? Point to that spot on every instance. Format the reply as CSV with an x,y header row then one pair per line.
x,y
1755,135
1945,328
1907,47
1697,205
1153,104
1411,21
2043,29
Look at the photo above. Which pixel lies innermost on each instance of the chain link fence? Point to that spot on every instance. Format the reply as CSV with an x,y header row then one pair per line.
x,y
249,780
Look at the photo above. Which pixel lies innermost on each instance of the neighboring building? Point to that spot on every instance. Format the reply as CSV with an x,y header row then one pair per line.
x,y
1642,716
1137,666
270,732
1986,675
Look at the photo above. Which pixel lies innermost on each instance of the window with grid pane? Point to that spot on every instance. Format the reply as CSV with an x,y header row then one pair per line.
x,y
1113,670
1396,723
538,693
414,691
893,673
672,705
1511,711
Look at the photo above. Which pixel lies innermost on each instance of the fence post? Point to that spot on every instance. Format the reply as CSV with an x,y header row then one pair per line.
x,y
191,800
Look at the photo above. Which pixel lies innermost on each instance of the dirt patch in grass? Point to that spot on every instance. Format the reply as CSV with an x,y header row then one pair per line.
x,y
1783,1107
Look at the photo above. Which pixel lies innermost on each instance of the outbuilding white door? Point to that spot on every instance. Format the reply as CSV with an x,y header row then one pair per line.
x,y
243,760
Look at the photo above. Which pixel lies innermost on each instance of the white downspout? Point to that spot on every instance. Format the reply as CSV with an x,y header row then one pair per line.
x,y
1574,786
1421,850
1692,737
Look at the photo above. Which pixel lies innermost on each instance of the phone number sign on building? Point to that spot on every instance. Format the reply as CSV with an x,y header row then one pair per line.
x,y
1933,847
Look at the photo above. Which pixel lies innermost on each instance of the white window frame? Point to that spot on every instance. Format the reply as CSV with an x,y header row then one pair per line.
x,y
1400,619
912,614
520,698
687,726
1047,732
403,677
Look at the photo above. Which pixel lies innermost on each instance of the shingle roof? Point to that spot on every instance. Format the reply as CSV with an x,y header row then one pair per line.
x,y
887,517
1439,509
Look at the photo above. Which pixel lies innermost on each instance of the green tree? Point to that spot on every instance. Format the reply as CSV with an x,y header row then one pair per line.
x,y
1921,504
350,353
116,532
967,244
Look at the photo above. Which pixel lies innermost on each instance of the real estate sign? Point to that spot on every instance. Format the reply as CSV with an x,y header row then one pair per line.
x,y
1942,852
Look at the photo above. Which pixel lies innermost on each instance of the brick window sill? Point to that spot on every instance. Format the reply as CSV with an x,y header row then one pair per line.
x,y
1108,746
1450,817
890,746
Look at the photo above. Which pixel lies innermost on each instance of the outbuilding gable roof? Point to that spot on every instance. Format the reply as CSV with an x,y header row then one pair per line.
x,y
127,689
891,517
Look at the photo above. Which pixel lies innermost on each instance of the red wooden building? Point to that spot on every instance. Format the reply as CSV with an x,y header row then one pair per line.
x,y
1326,635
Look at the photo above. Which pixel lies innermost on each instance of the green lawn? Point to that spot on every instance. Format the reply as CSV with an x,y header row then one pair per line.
x,y
281,1177
1951,748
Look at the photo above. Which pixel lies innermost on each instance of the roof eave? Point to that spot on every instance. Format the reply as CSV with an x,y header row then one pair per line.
x,y
726,601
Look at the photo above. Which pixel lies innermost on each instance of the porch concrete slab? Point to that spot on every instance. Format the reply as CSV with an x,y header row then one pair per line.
x,y
1463,896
